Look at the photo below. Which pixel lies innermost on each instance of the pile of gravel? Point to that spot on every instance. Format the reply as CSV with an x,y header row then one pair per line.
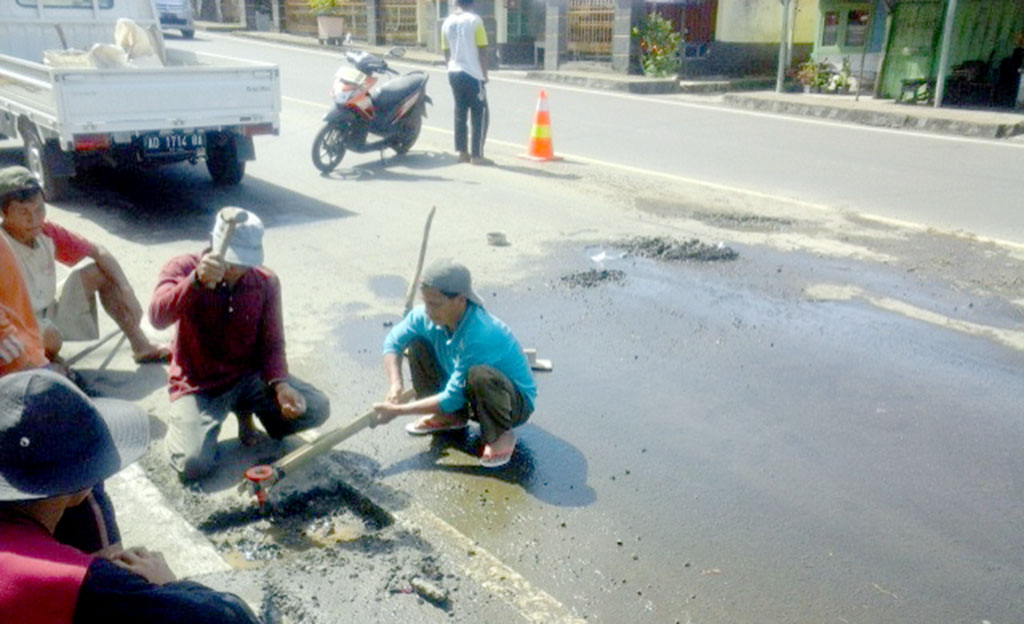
x,y
664,248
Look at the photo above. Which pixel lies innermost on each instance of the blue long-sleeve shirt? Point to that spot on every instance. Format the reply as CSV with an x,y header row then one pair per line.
x,y
479,338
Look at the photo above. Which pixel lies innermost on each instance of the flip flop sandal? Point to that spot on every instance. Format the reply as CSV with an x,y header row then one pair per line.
x,y
423,427
160,355
498,460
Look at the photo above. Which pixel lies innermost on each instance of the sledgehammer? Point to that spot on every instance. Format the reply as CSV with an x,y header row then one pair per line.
x,y
231,216
260,479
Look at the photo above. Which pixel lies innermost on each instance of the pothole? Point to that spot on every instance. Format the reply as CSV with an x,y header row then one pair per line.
x,y
321,519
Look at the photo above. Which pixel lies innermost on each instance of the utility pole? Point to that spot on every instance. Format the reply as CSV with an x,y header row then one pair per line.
x,y
780,74
947,42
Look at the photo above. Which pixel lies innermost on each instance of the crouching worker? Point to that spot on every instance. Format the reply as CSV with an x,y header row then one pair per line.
x,y
228,354
55,444
465,364
68,312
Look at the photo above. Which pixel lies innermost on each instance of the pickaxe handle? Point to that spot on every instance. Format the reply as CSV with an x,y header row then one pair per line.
x,y
261,478
410,296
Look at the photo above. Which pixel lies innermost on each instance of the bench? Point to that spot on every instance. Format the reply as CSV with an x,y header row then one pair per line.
x,y
911,88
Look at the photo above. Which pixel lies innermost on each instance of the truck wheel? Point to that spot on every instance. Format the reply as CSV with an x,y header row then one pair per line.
x,y
188,33
55,188
223,164
329,148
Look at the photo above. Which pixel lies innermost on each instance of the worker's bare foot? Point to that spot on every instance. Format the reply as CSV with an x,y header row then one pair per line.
x,y
154,354
499,452
436,424
248,434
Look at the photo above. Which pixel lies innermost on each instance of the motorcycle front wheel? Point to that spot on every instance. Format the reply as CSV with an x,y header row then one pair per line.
x,y
328,148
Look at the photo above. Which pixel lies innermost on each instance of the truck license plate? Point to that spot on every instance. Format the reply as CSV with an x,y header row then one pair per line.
x,y
171,143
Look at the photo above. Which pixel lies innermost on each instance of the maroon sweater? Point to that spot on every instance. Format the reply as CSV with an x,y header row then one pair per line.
x,y
39,578
223,333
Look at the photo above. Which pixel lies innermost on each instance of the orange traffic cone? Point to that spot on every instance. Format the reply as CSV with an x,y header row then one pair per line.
x,y
539,147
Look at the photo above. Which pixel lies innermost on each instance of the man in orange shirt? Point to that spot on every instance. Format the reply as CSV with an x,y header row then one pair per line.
x,y
67,312
21,346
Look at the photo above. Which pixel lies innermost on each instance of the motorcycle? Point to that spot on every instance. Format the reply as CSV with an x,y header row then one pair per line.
x,y
393,110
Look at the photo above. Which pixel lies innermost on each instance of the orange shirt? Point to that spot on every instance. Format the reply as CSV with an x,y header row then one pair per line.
x,y
16,315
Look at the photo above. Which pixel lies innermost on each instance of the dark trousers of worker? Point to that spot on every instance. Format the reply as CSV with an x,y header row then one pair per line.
x,y
471,102
195,420
493,400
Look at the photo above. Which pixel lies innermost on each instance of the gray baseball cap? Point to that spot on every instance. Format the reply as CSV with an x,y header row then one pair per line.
x,y
451,278
246,245
54,440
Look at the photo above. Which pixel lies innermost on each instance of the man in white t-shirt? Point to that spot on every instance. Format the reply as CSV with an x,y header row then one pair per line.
x,y
464,42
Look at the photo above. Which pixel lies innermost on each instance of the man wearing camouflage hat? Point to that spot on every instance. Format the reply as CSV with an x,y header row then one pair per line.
x,y
67,312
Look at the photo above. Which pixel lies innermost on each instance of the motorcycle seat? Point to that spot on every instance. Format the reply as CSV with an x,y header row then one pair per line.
x,y
391,93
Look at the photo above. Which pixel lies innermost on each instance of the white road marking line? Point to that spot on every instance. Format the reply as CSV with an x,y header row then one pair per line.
x,y
836,292
535,605
722,187
665,100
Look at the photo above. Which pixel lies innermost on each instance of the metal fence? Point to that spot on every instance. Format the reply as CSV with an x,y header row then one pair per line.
x,y
590,27
398,21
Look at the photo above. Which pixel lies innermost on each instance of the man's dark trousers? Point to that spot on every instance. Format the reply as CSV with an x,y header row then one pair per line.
x,y
470,98
494,401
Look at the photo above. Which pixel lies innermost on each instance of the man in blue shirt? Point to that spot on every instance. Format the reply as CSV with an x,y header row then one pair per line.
x,y
465,364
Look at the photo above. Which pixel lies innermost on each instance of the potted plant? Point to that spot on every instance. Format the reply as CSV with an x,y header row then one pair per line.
x,y
813,76
807,74
843,80
659,46
330,26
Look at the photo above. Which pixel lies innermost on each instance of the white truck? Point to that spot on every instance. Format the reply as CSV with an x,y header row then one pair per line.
x,y
77,98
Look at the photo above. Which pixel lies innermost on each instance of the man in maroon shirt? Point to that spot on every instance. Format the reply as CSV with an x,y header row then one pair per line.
x,y
228,354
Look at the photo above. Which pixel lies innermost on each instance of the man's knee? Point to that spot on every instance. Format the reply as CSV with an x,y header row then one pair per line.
x,y
482,376
318,408
487,386
192,464
93,279
420,351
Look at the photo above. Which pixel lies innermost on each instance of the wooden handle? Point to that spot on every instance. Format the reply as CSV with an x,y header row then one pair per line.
x,y
410,296
329,440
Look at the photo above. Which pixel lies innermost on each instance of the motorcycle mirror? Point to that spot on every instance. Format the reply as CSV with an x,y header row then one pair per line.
x,y
397,52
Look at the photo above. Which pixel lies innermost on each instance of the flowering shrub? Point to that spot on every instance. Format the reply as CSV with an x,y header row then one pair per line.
x,y
659,46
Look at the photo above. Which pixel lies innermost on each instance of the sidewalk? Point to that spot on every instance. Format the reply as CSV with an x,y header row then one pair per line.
x,y
843,108
884,113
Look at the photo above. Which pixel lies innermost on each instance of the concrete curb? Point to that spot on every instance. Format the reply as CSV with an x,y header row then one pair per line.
x,y
145,518
965,124
608,83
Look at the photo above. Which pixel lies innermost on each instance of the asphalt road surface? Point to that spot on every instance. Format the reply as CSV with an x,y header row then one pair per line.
x,y
952,184
825,428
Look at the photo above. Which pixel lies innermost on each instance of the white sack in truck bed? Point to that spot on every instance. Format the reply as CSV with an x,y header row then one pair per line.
x,y
133,47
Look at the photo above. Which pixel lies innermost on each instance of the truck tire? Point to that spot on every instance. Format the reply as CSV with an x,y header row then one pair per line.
x,y
55,187
223,164
188,33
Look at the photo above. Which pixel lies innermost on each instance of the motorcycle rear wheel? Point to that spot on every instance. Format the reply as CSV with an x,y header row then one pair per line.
x,y
406,137
329,148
